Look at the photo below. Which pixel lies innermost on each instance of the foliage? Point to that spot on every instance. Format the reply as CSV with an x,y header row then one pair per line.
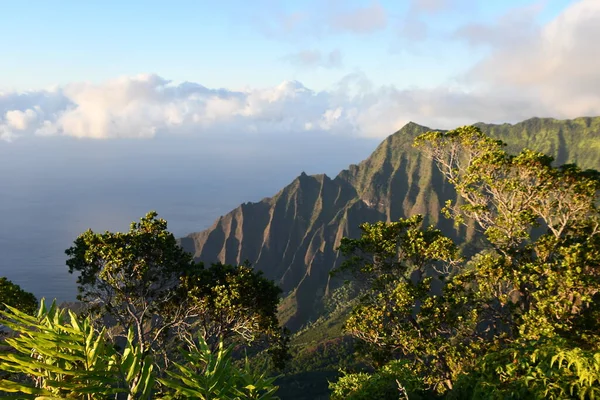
x,y
62,356
223,301
543,225
395,380
12,295
145,281
536,370
386,252
400,263
131,276
232,299
520,317
209,375
156,294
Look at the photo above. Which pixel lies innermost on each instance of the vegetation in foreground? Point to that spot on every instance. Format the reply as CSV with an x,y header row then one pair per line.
x,y
155,325
56,354
519,319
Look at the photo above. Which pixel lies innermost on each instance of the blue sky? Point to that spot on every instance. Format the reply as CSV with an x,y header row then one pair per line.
x,y
235,43
112,69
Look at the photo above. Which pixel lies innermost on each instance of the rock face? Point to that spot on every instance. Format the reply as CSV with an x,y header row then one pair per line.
x,y
293,235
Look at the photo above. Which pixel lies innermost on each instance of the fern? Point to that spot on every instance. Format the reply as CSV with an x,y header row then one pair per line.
x,y
538,370
57,355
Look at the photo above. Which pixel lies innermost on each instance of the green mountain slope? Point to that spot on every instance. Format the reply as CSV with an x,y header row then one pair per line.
x,y
292,236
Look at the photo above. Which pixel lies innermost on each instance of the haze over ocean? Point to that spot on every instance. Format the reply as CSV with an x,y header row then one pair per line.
x,y
53,190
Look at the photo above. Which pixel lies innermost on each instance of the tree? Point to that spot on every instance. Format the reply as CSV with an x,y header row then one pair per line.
x,y
11,294
393,381
132,276
542,223
542,369
534,284
230,300
144,280
400,266
225,301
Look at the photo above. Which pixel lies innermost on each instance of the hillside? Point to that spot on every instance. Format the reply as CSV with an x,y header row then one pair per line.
x,y
292,236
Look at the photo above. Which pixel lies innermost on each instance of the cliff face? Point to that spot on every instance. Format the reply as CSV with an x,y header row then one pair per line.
x,y
293,235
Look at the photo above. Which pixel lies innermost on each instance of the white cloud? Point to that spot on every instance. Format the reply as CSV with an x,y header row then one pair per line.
x,y
6,134
20,120
552,71
147,105
515,27
414,26
557,66
320,19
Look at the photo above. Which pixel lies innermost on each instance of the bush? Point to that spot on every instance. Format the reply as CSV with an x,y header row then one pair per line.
x,y
393,381
12,295
534,370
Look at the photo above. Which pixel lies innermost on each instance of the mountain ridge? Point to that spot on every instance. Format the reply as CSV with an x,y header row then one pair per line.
x,y
292,235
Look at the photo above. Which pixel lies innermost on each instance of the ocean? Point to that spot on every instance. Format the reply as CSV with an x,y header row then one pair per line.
x,y
52,189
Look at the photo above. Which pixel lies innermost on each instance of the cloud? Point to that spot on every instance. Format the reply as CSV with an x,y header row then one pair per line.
x,y
366,19
551,71
146,106
517,26
21,120
314,58
556,65
277,24
413,28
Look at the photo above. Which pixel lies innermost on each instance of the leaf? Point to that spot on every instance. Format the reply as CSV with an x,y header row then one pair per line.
x,y
12,387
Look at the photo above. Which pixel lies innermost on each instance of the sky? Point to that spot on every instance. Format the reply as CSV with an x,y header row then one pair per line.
x,y
356,68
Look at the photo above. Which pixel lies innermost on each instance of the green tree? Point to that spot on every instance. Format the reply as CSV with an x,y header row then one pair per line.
x,y
226,302
145,281
11,294
542,224
395,380
541,369
400,312
231,300
132,276
535,281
